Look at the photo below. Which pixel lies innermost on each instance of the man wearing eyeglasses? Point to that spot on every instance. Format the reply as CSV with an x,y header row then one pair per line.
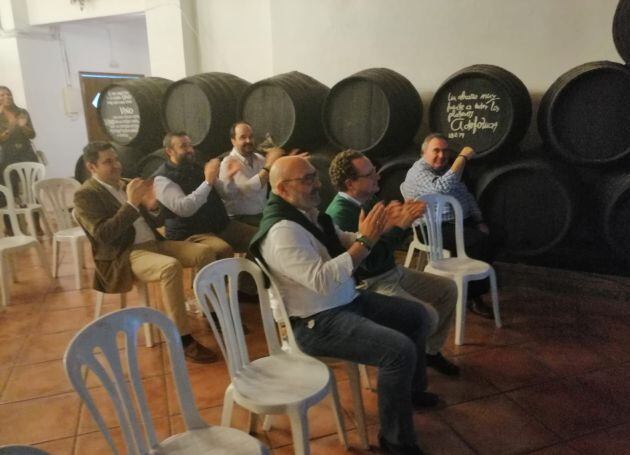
x,y
440,171
356,179
312,263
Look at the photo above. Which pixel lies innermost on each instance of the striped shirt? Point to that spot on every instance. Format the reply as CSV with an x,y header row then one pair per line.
x,y
423,179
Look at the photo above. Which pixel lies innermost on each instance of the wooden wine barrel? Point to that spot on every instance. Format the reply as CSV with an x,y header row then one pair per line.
x,y
288,108
129,112
528,205
392,174
150,163
321,159
621,29
204,106
482,106
584,115
614,214
376,111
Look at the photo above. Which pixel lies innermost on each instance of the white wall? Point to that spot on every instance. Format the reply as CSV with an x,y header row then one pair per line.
x,y
425,40
235,37
42,12
88,48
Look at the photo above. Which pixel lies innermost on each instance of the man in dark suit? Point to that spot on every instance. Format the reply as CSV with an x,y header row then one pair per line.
x,y
115,217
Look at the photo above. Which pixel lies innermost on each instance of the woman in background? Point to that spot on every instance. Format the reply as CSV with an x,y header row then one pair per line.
x,y
16,132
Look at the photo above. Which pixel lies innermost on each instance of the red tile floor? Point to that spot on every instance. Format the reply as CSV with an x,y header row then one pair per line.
x,y
554,380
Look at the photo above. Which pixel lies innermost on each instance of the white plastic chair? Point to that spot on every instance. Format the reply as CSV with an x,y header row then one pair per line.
x,y
417,244
21,450
128,397
24,202
10,245
461,269
56,195
281,383
356,373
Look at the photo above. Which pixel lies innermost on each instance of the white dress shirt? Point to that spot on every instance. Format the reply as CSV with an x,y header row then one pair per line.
x,y
308,279
143,231
244,194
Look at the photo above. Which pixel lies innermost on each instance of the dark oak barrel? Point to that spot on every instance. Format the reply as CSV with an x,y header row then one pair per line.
x,y
621,29
376,111
584,115
483,106
614,213
528,205
392,174
287,107
129,112
150,163
204,106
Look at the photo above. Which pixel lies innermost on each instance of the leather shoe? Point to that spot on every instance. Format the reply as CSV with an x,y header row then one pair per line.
x,y
439,363
478,307
398,449
424,400
198,353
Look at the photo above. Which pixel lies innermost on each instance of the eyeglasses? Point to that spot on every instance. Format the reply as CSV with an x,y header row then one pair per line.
x,y
308,179
371,174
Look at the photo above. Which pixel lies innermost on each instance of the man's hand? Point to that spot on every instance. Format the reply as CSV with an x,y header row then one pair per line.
x,y
373,224
299,152
409,212
149,201
137,190
232,167
272,155
468,152
211,171
483,227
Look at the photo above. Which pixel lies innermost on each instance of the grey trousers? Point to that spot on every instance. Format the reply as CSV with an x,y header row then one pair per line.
x,y
436,294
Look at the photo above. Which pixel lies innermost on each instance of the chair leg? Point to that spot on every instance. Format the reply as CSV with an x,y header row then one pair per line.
x,y
299,430
43,261
4,281
409,256
228,406
267,422
460,311
55,258
337,411
30,220
144,301
357,402
365,377
44,222
76,260
495,298
99,304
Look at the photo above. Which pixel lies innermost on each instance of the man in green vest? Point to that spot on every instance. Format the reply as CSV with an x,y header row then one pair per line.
x,y
355,177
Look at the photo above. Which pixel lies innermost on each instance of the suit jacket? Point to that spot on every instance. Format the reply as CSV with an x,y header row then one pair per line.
x,y
109,228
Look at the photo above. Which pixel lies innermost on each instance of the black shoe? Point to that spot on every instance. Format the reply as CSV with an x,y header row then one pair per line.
x,y
398,449
425,400
476,306
198,353
439,363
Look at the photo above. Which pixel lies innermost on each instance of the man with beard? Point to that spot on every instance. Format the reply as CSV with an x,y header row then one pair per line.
x,y
356,179
313,263
193,207
114,214
437,171
245,174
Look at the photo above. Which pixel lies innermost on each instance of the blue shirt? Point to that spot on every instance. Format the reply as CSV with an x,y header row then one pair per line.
x,y
423,179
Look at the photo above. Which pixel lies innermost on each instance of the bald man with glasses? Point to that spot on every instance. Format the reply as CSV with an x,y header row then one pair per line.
x,y
312,262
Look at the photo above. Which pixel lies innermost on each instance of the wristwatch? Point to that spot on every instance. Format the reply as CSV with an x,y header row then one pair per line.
x,y
363,240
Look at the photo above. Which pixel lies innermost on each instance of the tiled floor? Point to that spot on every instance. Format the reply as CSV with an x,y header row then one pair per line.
x,y
554,380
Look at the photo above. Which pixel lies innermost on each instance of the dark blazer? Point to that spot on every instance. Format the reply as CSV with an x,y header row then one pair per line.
x,y
109,228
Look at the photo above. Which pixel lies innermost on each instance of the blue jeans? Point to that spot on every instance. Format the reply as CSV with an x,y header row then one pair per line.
x,y
387,332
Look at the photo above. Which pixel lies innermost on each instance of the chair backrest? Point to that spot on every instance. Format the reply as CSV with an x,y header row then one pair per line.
x,y
27,173
128,398
56,195
216,287
431,224
21,450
